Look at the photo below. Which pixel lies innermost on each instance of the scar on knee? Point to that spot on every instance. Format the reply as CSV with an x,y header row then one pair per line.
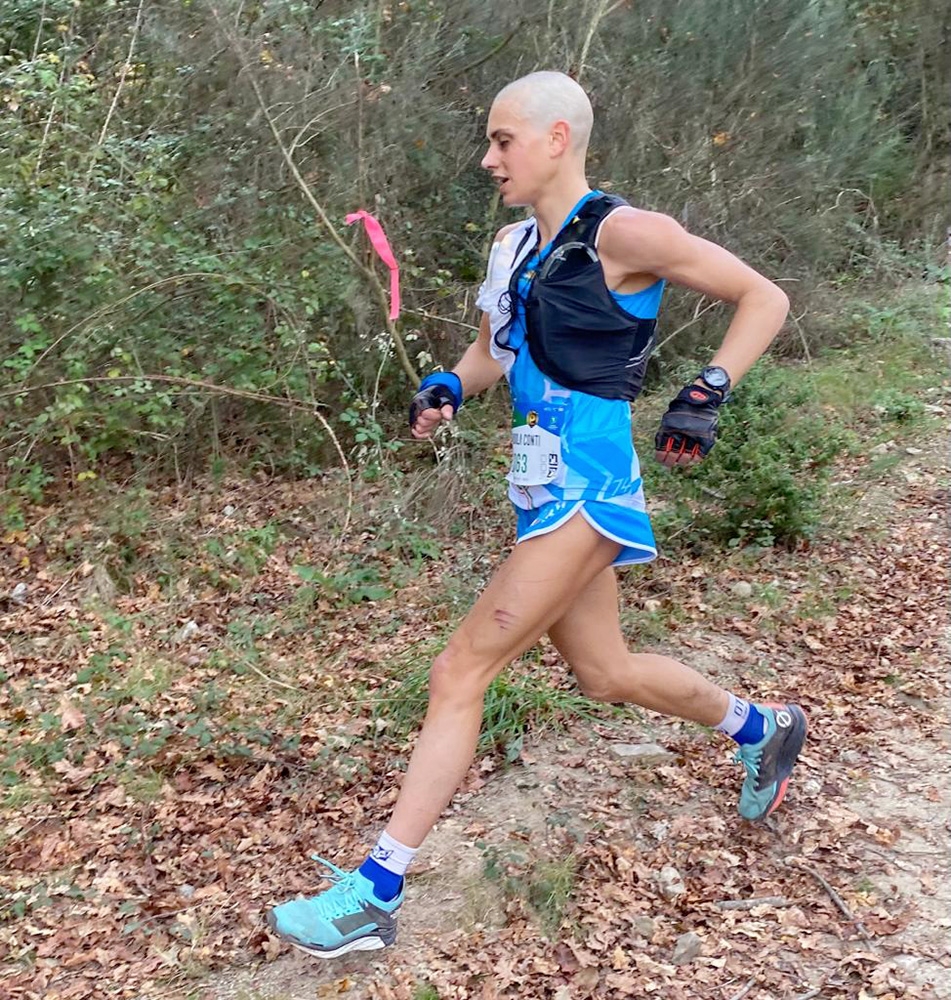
x,y
504,619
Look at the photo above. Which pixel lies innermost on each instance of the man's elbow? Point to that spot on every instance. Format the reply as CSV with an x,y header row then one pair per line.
x,y
781,299
766,296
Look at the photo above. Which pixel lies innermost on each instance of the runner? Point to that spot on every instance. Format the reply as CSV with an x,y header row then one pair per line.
x,y
569,308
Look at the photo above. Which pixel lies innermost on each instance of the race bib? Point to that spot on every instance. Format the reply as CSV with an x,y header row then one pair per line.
x,y
536,453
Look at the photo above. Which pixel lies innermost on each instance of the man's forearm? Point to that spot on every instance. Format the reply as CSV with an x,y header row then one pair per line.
x,y
755,323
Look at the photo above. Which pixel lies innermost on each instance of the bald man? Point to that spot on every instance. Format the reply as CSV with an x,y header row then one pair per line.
x,y
569,308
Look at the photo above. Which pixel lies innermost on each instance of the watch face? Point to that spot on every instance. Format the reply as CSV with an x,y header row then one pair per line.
x,y
717,378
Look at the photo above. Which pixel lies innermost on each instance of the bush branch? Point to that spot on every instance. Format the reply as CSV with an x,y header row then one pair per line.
x,y
367,272
221,390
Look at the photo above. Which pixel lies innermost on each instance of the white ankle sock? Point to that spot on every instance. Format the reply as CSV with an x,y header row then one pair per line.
x,y
738,711
392,855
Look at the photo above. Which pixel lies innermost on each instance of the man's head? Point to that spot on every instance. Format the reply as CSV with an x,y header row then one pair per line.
x,y
538,130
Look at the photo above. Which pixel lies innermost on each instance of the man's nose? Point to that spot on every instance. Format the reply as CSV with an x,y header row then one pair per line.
x,y
489,160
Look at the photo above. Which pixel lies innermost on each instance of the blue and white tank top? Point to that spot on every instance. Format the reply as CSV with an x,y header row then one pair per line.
x,y
566,444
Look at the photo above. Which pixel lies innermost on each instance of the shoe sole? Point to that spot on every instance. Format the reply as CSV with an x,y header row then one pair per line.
x,y
788,759
369,943
361,944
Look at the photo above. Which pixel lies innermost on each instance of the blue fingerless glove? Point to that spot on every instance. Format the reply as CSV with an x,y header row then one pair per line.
x,y
436,391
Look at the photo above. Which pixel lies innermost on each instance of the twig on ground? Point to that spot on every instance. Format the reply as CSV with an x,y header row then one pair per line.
x,y
747,986
749,904
62,586
270,680
835,897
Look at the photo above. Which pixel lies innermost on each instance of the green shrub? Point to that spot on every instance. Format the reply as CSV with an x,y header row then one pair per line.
x,y
152,235
764,482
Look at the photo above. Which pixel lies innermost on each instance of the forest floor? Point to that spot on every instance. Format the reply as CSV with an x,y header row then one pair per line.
x,y
202,687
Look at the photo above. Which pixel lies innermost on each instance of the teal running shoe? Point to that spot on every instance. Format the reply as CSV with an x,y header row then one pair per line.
x,y
769,763
346,917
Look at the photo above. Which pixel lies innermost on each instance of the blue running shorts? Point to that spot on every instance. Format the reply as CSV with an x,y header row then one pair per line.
x,y
624,520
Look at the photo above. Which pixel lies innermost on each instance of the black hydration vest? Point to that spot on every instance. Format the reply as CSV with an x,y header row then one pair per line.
x,y
577,333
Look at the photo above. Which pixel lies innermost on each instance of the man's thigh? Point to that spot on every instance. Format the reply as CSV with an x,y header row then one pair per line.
x,y
588,635
531,591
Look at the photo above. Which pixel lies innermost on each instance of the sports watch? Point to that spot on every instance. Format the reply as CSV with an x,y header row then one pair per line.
x,y
714,377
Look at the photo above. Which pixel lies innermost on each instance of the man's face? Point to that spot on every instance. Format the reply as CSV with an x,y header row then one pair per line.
x,y
518,157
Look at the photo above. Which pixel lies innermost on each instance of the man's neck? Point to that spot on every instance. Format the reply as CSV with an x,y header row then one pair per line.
x,y
553,207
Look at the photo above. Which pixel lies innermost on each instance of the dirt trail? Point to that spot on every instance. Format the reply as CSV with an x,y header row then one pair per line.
x,y
518,812
609,861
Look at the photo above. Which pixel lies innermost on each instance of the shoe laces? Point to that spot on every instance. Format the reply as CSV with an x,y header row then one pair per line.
x,y
750,756
343,898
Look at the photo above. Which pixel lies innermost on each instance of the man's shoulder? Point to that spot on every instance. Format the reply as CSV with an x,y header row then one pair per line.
x,y
628,223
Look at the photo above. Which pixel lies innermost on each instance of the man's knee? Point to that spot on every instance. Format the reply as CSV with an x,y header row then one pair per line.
x,y
599,683
456,676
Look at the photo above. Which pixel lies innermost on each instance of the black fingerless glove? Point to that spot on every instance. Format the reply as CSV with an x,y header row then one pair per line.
x,y
690,424
436,391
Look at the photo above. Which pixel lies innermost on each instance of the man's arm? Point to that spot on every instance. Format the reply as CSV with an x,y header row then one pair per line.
x,y
638,242
634,242
477,370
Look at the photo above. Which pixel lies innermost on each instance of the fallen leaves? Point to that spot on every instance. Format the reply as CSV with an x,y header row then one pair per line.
x,y
167,797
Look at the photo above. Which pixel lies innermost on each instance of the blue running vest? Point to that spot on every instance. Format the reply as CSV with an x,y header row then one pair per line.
x,y
568,443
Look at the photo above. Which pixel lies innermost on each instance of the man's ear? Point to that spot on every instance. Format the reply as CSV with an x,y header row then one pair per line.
x,y
559,138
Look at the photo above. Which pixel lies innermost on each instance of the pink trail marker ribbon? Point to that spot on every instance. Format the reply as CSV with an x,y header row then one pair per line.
x,y
380,243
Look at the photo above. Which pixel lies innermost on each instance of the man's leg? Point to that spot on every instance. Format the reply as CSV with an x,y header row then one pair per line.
x,y
770,735
589,637
532,589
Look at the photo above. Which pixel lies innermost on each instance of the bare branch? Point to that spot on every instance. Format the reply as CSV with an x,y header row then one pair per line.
x,y
305,189
104,310
595,22
124,72
488,55
748,985
802,336
188,383
698,312
750,904
220,390
442,319
798,863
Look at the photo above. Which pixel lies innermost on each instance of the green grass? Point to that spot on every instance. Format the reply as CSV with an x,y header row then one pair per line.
x,y
546,886
425,991
521,699
143,785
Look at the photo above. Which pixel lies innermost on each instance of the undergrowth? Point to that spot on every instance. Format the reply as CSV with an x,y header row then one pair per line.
x,y
520,700
236,618
766,482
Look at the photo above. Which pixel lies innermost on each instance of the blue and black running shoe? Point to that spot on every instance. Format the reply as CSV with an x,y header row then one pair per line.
x,y
769,763
346,917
